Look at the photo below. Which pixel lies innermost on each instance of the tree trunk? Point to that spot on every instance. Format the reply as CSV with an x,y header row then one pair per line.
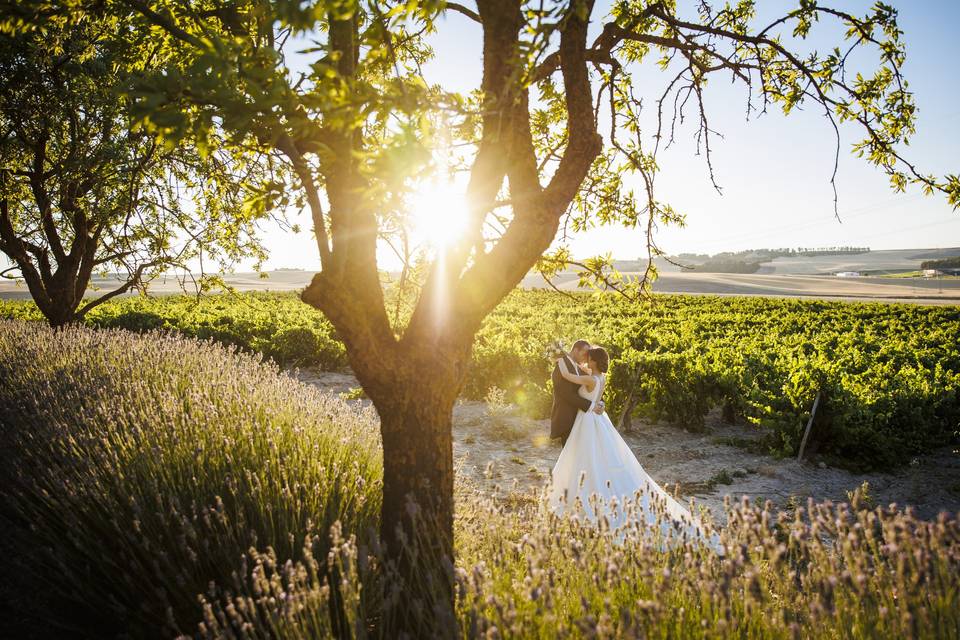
x,y
626,417
61,304
61,316
56,302
413,383
417,512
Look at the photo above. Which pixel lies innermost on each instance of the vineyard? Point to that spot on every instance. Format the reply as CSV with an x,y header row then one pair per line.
x,y
888,375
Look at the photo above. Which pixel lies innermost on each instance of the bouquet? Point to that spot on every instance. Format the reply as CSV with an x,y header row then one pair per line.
x,y
554,350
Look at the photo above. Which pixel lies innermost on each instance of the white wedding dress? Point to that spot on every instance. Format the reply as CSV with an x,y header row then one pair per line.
x,y
596,460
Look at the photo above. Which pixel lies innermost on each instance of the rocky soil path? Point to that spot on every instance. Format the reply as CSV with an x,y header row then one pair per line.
x,y
501,451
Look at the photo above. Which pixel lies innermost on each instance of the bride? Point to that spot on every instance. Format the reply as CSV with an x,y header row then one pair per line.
x,y
596,460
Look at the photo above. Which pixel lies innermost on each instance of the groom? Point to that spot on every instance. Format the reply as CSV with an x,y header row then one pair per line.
x,y
566,399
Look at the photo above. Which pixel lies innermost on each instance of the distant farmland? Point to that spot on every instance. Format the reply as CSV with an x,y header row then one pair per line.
x,y
781,277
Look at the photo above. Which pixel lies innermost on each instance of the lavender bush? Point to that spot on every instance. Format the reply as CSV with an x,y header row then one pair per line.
x,y
138,471
825,571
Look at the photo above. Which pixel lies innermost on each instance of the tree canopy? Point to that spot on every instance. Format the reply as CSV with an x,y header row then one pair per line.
x,y
84,189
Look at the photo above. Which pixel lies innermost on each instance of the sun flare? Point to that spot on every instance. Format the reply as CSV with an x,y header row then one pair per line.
x,y
438,211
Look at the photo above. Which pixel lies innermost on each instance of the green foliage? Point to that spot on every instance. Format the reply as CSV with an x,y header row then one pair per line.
x,y
19,310
223,79
277,325
945,263
535,401
770,61
355,393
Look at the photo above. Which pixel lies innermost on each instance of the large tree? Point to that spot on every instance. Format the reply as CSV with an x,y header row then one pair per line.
x,y
85,190
555,134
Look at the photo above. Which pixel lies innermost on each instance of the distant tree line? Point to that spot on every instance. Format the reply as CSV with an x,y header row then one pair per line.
x,y
944,263
749,261
830,251
763,255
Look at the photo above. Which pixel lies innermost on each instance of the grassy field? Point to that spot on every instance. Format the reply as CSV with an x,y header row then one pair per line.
x,y
158,486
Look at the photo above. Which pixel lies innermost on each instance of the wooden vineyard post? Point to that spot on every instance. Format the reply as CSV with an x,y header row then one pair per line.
x,y
806,433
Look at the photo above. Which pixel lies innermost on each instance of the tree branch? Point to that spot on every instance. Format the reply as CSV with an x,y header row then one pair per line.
x,y
132,281
459,8
535,222
305,174
166,22
42,198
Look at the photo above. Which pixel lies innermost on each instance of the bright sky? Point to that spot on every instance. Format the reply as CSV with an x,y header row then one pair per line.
x,y
774,170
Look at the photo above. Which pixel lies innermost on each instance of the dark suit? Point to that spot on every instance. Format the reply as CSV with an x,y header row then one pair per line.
x,y
566,401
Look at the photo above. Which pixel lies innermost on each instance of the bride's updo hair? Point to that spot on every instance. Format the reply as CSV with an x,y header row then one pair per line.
x,y
599,355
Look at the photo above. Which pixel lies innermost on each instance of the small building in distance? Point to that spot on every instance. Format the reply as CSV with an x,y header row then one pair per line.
x,y
848,274
932,273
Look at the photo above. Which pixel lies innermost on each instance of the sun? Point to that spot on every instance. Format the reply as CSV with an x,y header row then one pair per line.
x,y
438,211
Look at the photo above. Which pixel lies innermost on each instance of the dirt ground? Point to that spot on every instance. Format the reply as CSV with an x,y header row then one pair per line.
x,y
501,451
